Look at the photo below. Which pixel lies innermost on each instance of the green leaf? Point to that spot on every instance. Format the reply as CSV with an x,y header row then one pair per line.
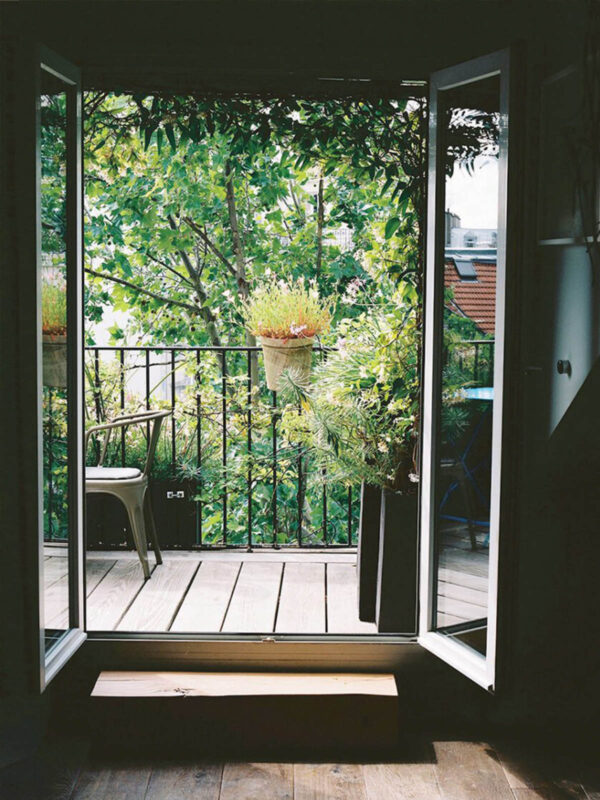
x,y
171,136
391,227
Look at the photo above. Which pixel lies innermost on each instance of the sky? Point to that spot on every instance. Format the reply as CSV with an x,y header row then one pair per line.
x,y
475,197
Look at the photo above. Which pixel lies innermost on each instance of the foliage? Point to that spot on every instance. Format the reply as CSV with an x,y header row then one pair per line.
x,y
177,235
54,304
190,204
199,422
287,310
361,412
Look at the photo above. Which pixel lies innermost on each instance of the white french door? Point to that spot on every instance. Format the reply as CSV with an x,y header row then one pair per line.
x,y
59,358
463,498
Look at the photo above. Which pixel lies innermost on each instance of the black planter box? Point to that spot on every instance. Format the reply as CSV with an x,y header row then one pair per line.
x,y
368,551
396,606
107,524
174,512
108,528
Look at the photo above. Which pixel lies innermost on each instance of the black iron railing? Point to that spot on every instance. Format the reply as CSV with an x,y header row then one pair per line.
x,y
223,445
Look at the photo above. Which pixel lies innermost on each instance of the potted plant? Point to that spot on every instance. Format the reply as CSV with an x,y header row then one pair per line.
x,y
286,317
54,331
362,414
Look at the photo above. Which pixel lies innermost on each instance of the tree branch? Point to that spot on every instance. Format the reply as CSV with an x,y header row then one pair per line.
x,y
211,246
169,267
240,266
129,285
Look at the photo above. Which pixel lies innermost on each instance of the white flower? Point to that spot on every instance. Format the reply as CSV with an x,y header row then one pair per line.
x,y
382,447
296,330
413,477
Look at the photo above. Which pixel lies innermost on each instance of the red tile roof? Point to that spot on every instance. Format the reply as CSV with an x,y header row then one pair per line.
x,y
474,299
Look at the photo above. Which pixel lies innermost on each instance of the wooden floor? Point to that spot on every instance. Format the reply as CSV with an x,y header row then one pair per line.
x,y
212,592
263,592
447,769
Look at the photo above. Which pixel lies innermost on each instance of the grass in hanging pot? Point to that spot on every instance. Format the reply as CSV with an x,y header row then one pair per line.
x,y
54,330
54,306
286,317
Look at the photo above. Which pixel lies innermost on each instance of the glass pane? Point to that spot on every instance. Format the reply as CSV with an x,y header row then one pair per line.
x,y
55,395
470,120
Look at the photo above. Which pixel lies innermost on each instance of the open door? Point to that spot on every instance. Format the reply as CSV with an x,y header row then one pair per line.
x,y
465,365
59,358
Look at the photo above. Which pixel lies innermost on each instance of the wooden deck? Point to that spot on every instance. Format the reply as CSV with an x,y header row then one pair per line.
x,y
211,592
263,592
462,578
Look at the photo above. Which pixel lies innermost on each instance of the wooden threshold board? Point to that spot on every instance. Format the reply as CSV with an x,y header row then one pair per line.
x,y
238,684
247,714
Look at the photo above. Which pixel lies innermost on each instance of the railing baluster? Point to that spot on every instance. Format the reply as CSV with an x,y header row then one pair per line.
x,y
300,492
122,401
325,532
97,402
50,466
173,402
224,441
274,467
147,397
476,368
349,537
249,447
198,447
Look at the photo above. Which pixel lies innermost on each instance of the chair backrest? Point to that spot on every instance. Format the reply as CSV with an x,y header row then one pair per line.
x,y
151,418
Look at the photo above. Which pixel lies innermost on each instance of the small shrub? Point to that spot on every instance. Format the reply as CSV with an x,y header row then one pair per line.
x,y
282,310
54,305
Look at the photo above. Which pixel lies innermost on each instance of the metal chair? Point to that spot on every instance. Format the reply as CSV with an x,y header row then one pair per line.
x,y
129,484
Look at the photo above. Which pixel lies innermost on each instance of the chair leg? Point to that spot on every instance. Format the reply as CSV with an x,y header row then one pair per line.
x,y
138,529
151,528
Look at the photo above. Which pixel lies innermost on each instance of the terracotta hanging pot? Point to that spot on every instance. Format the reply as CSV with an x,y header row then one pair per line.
x,y
286,354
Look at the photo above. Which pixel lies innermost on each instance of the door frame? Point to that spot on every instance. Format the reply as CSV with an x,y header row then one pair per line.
x,y
51,662
483,670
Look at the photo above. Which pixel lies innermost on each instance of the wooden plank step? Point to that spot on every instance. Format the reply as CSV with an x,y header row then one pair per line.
x,y
251,714
115,683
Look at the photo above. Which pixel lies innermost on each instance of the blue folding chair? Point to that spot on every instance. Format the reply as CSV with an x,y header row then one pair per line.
x,y
466,477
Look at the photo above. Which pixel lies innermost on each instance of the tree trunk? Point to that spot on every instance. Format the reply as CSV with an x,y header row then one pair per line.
x,y
204,310
240,264
320,220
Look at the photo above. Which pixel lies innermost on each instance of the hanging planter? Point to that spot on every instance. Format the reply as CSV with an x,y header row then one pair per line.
x,y
294,355
54,328
54,360
286,317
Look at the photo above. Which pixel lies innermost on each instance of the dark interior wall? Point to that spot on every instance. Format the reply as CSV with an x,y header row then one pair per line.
x,y
270,44
553,621
557,622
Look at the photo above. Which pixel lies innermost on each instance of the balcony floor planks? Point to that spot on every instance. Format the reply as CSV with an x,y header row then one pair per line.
x,y
111,599
253,605
208,597
342,604
260,592
302,599
158,601
56,607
